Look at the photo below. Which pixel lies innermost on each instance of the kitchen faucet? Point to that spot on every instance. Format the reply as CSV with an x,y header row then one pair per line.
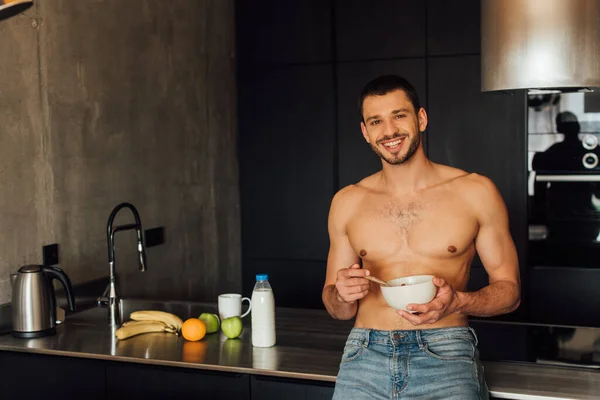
x,y
110,297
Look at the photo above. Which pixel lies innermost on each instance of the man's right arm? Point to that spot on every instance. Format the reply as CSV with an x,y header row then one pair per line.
x,y
345,283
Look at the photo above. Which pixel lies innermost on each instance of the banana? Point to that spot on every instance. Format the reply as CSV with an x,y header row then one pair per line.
x,y
134,323
171,330
172,321
125,332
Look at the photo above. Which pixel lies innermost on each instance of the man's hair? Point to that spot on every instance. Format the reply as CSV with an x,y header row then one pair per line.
x,y
386,84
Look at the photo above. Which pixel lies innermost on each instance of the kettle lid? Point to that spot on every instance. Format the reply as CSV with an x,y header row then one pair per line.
x,y
30,268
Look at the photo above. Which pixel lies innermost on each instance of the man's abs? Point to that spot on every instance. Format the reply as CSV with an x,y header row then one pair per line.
x,y
375,313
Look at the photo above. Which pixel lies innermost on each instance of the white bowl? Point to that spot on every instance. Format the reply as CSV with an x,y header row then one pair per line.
x,y
419,289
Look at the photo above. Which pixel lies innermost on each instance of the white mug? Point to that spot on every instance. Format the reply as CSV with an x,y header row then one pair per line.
x,y
230,305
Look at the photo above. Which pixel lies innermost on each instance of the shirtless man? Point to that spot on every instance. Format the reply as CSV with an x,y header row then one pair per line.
x,y
414,217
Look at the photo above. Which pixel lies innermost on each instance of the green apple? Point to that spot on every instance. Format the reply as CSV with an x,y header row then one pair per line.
x,y
232,327
211,321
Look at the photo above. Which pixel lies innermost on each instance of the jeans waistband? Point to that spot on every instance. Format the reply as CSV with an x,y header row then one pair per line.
x,y
419,336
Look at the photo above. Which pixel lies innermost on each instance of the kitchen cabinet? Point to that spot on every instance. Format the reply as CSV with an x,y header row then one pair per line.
x,y
283,32
270,388
453,27
296,283
38,376
383,29
356,158
35,376
32,376
129,381
286,139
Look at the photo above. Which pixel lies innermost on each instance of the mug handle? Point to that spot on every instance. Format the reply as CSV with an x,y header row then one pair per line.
x,y
249,306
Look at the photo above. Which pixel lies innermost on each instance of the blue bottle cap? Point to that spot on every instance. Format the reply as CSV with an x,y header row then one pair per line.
x,y
262,277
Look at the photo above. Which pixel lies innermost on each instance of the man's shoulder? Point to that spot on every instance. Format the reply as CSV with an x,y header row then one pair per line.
x,y
348,194
344,205
348,199
355,191
473,187
479,183
479,192
469,181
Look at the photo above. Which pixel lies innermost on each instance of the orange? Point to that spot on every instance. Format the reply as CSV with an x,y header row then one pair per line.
x,y
193,329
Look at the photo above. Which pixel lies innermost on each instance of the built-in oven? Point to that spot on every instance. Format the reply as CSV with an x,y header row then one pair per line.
x,y
564,179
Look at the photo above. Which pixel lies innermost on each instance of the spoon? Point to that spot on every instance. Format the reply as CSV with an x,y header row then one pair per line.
x,y
377,280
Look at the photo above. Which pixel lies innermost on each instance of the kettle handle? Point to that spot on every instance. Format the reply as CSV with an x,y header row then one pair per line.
x,y
57,273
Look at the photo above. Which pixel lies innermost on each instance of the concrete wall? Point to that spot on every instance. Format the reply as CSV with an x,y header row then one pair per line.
x,y
105,101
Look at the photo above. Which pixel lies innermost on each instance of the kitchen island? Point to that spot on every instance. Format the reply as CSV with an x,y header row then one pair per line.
x,y
303,364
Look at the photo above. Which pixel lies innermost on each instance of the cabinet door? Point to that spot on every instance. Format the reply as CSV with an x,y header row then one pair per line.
x,y
283,32
134,381
453,27
296,283
266,388
356,159
286,131
382,29
34,376
483,133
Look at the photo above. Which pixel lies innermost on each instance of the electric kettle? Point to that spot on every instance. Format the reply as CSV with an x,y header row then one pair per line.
x,y
34,301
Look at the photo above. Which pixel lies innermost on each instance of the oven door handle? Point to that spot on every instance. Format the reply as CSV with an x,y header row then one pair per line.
x,y
566,178
534,177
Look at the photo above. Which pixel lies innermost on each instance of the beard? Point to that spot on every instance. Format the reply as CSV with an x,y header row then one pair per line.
x,y
397,159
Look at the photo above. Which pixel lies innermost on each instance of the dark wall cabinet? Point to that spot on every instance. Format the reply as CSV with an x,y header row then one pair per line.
x,y
299,129
296,283
453,27
275,32
382,29
286,146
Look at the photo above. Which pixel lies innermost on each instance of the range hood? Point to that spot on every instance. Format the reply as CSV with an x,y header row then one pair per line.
x,y
542,46
8,8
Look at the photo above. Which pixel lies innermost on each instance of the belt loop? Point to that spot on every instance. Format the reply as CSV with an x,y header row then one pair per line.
x,y
419,339
474,335
367,338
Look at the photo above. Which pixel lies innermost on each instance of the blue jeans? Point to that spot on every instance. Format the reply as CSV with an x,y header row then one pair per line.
x,y
413,364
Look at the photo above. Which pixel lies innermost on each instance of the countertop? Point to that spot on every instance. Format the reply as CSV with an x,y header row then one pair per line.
x,y
309,346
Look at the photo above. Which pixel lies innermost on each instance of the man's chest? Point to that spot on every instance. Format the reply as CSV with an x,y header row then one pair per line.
x,y
431,226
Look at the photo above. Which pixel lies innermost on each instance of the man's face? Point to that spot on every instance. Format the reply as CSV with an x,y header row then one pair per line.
x,y
392,127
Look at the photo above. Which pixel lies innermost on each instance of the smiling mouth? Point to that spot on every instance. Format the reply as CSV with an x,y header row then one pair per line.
x,y
393,144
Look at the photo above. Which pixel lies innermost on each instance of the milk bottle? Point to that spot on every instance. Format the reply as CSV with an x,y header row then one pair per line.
x,y
263,313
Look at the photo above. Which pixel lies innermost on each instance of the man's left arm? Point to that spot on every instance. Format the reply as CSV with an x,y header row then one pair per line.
x,y
497,252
